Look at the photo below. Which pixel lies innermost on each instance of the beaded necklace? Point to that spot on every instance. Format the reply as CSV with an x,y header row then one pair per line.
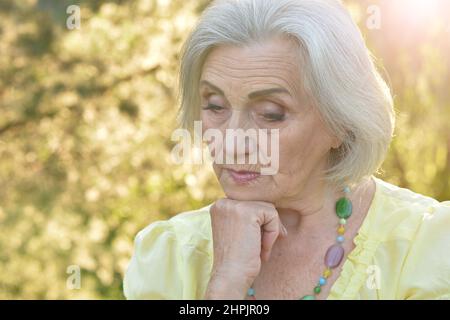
x,y
334,254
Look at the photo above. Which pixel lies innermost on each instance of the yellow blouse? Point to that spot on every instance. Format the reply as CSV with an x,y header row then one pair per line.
x,y
402,251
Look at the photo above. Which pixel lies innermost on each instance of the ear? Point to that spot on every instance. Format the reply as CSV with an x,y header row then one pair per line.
x,y
335,143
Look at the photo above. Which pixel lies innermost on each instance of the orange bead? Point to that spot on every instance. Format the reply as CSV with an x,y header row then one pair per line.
x,y
327,273
341,230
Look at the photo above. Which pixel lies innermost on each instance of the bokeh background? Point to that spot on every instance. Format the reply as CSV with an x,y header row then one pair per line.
x,y
87,115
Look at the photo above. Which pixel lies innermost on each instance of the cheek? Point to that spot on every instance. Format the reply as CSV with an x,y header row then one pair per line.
x,y
302,146
205,120
292,152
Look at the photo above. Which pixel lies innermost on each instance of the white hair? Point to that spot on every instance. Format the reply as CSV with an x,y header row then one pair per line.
x,y
339,74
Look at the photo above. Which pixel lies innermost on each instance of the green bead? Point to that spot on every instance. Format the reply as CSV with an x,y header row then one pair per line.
x,y
317,289
308,297
344,208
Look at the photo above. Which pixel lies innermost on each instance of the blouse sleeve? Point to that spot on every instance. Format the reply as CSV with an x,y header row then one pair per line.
x,y
172,259
153,272
426,271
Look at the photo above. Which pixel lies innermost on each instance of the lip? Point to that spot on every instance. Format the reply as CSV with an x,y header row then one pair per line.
x,y
243,176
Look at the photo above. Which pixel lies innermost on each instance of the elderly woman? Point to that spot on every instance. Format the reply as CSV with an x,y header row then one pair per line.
x,y
322,226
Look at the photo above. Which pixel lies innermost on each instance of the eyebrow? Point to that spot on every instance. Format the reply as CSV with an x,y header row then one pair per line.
x,y
252,95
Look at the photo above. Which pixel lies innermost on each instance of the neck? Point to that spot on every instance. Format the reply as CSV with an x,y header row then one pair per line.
x,y
314,209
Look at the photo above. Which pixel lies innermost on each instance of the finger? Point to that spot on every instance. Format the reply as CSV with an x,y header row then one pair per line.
x,y
271,231
283,231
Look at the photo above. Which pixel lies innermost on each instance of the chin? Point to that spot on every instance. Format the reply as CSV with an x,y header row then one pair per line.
x,y
242,196
246,192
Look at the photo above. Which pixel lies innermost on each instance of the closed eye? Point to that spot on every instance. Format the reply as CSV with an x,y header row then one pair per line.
x,y
213,107
274,117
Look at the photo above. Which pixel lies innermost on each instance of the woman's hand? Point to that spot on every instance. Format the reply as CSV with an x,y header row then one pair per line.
x,y
243,235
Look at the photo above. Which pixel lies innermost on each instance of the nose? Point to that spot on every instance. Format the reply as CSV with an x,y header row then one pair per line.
x,y
238,120
240,139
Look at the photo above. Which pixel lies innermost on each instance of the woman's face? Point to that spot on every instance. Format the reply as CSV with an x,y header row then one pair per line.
x,y
229,76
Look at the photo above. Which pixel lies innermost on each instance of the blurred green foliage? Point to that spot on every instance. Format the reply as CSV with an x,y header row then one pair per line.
x,y
86,120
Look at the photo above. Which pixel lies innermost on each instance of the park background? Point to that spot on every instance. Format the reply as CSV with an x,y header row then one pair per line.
x,y
87,115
